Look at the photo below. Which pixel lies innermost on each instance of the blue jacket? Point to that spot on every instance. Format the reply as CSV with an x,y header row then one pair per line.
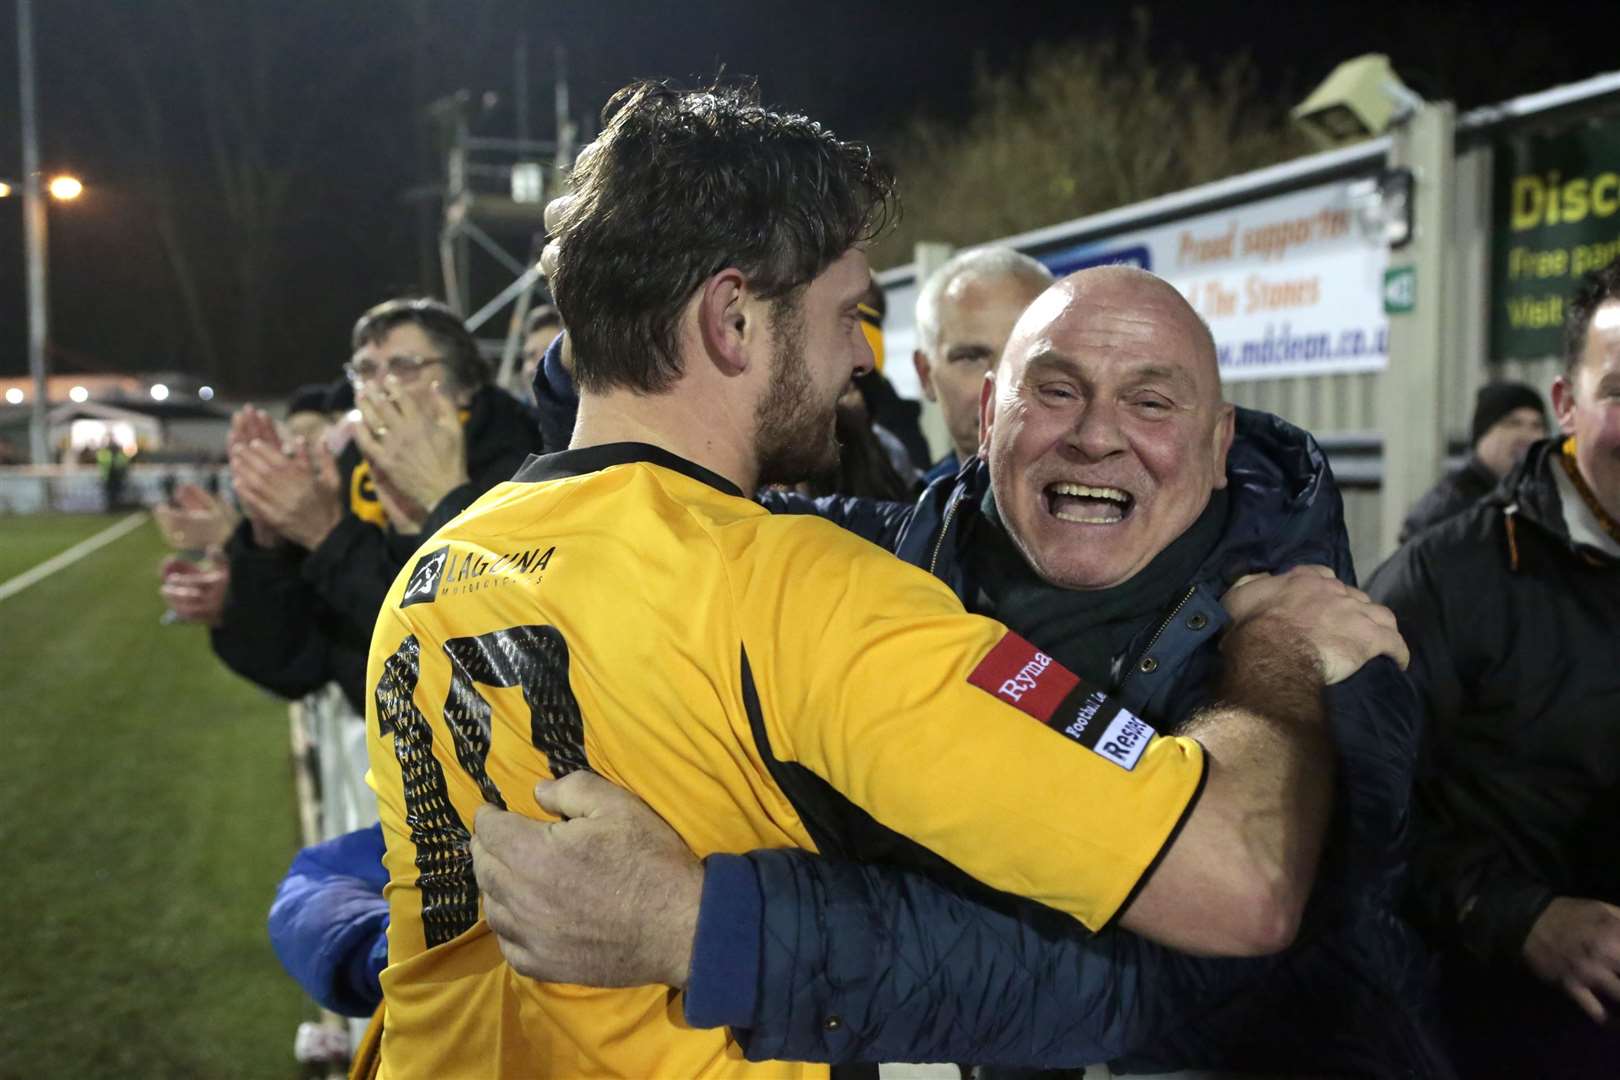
x,y
944,469
871,963
329,922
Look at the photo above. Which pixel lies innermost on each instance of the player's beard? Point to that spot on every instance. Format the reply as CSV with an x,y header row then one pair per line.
x,y
795,431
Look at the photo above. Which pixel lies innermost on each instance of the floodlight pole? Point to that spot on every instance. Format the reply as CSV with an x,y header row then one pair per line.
x,y
34,234
1410,405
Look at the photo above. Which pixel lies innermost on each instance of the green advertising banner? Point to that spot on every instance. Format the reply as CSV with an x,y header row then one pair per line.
x,y
1556,215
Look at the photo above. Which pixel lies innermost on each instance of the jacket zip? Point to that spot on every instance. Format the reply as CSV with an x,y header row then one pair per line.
x,y
1157,634
933,563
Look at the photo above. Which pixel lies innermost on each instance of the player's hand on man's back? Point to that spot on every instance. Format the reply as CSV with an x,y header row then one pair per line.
x,y
607,897
1339,623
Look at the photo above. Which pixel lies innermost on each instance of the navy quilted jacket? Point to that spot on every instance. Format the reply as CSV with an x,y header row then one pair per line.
x,y
860,962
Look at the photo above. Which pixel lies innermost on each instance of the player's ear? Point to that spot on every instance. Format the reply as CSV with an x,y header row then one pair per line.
x,y
725,320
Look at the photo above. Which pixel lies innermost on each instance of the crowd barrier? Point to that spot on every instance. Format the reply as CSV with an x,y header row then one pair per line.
x,y
79,489
329,772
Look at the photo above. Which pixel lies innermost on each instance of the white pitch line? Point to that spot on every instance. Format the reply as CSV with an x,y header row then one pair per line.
x,y
71,555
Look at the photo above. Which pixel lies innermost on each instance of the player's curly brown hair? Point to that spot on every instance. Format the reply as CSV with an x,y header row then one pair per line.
x,y
681,185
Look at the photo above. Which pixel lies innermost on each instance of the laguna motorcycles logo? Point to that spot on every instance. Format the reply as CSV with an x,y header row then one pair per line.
x,y
450,573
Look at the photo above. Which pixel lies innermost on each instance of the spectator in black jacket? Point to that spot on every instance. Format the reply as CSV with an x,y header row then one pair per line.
x,y
331,521
1508,417
1512,610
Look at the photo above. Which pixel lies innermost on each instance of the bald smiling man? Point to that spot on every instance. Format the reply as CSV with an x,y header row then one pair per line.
x,y
1115,499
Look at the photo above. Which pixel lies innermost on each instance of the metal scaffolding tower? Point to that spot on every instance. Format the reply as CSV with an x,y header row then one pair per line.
x,y
494,196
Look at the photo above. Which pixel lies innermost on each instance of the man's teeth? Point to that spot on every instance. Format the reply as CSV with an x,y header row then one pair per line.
x,y
1107,517
1105,505
1092,492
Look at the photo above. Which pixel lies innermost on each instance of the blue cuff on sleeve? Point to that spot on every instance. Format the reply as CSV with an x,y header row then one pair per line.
x,y
724,983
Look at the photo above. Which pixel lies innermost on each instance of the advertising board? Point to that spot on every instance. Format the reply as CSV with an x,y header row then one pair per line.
x,y
1290,285
1556,215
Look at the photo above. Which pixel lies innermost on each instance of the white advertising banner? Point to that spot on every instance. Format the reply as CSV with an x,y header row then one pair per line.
x,y
1289,285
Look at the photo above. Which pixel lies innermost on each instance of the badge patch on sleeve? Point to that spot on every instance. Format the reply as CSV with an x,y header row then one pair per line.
x,y
1029,680
1021,675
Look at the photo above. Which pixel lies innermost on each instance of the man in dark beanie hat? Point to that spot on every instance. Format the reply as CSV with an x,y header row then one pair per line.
x,y
339,398
1508,417
308,414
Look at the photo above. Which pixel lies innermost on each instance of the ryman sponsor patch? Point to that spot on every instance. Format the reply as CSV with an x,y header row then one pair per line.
x,y
1029,680
1021,675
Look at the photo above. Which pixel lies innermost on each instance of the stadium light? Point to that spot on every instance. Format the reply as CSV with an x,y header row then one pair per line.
x,y
65,188
1361,97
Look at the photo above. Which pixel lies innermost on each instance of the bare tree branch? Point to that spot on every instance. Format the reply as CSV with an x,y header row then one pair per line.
x,y
1085,128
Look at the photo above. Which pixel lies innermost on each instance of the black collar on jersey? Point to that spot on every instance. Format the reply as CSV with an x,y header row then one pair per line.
x,y
591,459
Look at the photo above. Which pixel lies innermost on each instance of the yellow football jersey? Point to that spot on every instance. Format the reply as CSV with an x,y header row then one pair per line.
x,y
620,609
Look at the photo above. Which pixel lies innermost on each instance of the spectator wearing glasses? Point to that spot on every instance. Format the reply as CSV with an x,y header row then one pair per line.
x,y
331,520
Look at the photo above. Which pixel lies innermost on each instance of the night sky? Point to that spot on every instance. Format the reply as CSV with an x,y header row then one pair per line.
x,y
322,100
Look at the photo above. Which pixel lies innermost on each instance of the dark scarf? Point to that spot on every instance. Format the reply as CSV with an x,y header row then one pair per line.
x,y
1086,629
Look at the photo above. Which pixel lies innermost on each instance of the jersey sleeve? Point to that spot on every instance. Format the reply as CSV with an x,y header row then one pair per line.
x,y
952,730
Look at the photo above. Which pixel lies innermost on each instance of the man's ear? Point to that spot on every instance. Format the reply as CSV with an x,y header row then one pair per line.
x,y
1563,403
1225,428
722,316
925,374
987,411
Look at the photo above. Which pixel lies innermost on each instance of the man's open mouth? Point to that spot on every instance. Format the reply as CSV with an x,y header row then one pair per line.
x,y
1087,504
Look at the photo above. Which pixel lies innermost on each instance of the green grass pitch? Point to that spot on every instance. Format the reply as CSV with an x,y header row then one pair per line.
x,y
146,814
